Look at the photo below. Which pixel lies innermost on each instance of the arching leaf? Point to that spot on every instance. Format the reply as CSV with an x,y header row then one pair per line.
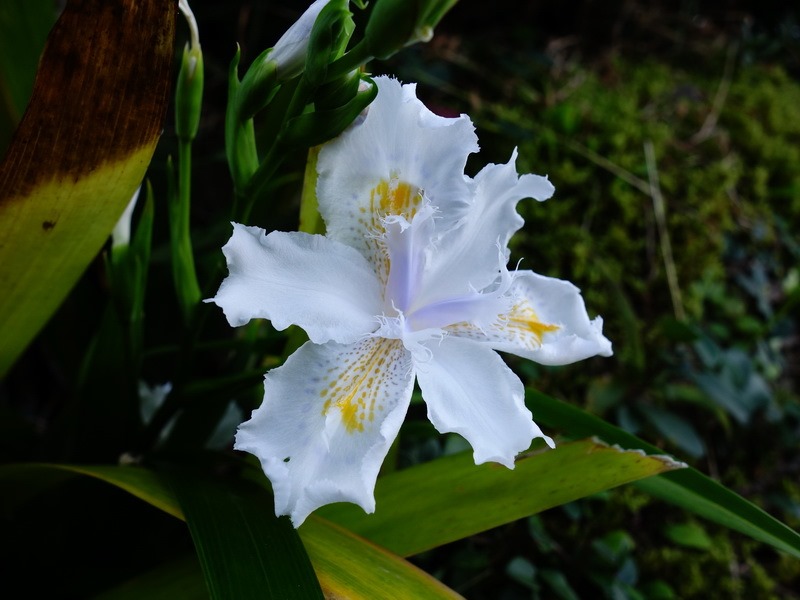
x,y
79,153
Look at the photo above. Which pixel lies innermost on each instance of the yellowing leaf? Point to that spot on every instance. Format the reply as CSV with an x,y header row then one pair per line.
x,y
346,565
79,153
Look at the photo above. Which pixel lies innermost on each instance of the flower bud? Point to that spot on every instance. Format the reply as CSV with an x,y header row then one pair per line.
x,y
329,38
394,24
289,53
189,93
338,92
314,128
121,235
189,88
258,86
323,42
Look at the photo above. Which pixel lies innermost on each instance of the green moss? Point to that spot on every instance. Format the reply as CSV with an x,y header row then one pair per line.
x,y
730,195
746,170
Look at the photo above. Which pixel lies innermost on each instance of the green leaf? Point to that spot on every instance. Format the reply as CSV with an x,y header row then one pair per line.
x,y
182,579
79,153
675,429
557,582
451,498
690,535
687,488
23,30
244,549
19,482
346,565
349,567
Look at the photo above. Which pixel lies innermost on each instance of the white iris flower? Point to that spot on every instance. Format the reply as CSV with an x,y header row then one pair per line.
x,y
410,282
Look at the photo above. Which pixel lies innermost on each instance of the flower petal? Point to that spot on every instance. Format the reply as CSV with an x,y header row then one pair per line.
x,y
467,256
323,286
469,390
548,323
387,163
329,415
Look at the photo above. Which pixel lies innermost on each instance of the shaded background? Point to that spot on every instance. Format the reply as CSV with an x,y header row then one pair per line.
x,y
706,365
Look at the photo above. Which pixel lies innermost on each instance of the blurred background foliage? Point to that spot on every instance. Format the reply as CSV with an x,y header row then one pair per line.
x,y
672,134
706,366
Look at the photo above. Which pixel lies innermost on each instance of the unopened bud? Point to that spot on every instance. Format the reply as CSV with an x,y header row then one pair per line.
x,y
394,24
289,53
189,89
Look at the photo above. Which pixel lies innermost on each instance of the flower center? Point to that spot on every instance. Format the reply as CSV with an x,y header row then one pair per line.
x,y
395,197
408,245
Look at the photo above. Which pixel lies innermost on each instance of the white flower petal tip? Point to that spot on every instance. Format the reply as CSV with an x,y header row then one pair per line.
x,y
469,390
505,180
296,279
409,282
329,416
547,323
400,146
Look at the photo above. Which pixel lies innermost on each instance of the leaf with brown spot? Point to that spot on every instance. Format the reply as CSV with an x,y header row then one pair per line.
x,y
79,153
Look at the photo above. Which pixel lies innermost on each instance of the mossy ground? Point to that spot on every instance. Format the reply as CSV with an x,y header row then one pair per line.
x,y
723,122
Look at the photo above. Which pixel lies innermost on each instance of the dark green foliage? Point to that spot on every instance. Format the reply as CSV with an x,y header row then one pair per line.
x,y
719,387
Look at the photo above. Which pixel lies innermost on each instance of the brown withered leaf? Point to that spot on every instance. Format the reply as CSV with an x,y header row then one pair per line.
x,y
79,153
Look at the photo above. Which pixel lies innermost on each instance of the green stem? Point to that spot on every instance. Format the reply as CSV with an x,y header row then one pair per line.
x,y
355,58
261,178
183,269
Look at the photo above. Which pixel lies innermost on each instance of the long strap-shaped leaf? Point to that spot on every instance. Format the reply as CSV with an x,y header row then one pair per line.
x,y
246,553
450,498
687,488
79,153
24,25
347,566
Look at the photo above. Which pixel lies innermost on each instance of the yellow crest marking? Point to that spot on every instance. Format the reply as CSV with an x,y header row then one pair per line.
x,y
394,197
356,387
523,321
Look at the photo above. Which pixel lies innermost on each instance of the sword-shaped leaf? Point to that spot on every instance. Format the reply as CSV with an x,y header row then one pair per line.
x,y
79,153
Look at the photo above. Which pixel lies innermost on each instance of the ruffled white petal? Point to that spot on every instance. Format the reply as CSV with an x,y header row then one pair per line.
x,y
467,257
411,280
329,416
323,286
400,143
469,390
548,323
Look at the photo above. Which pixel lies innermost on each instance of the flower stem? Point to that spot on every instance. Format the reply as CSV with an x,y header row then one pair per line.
x,y
183,270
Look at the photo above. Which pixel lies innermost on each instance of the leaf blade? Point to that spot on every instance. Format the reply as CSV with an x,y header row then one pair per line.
x,y
687,488
23,28
451,498
340,559
245,551
79,153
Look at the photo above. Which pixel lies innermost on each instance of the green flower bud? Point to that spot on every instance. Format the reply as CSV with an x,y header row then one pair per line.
x,y
289,54
394,24
189,88
258,86
337,92
317,37
189,93
317,127
328,40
